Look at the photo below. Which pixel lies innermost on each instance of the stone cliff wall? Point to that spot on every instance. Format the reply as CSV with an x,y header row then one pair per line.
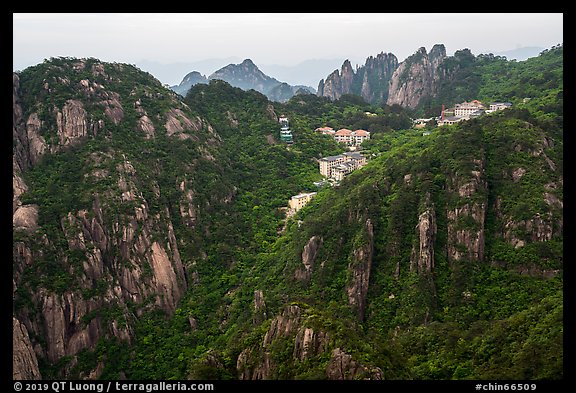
x,y
116,263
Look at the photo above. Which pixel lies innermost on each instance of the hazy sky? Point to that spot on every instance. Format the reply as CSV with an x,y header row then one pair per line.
x,y
271,38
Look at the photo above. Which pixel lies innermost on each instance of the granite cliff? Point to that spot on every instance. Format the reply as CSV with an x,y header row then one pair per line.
x,y
84,271
383,80
369,81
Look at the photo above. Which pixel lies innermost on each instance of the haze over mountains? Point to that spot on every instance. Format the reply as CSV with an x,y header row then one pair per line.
x,y
308,72
376,79
246,76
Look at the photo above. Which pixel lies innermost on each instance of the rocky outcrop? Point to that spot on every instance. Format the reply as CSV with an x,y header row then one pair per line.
x,y
25,218
422,260
343,366
188,210
377,73
466,225
466,221
309,342
298,328
338,82
546,224
64,332
29,145
369,81
69,321
416,77
72,122
123,256
24,361
304,272
382,80
255,363
86,274
259,312
359,267
537,229
146,126
177,123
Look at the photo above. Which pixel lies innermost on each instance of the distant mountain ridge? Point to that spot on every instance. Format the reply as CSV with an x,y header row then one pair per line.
x,y
246,76
521,54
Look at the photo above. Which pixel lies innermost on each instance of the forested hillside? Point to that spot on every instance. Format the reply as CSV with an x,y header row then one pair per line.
x,y
150,238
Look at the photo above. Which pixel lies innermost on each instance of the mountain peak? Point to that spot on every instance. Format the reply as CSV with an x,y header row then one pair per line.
x,y
248,62
246,76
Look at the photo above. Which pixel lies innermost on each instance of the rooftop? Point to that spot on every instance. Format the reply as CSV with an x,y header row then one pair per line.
x,y
331,158
303,195
344,131
362,133
324,129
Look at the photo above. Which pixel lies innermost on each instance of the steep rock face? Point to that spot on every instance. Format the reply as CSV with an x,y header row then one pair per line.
x,y
30,144
297,328
24,361
309,342
62,316
89,272
369,81
68,321
72,122
337,83
343,366
416,77
422,259
25,218
466,221
377,73
360,266
257,364
308,257
542,226
538,229
259,311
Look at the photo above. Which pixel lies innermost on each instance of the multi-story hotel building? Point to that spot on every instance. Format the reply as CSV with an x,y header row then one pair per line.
x,y
338,166
466,109
469,110
500,105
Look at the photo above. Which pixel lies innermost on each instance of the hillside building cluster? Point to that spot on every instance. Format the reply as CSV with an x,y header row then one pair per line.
x,y
337,167
350,138
467,111
460,112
